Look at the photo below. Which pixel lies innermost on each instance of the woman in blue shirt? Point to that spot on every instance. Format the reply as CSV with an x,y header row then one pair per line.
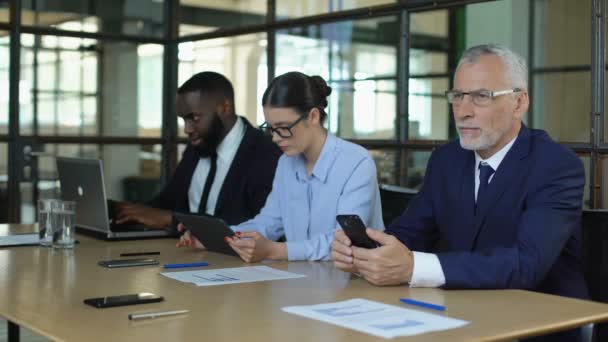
x,y
318,177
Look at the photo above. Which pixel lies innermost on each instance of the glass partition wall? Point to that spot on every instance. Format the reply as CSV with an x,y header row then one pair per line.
x,y
98,79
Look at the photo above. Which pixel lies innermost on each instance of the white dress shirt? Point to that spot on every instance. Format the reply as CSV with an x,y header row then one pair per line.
x,y
427,270
225,154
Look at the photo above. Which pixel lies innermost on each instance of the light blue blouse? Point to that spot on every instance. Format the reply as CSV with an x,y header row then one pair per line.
x,y
304,207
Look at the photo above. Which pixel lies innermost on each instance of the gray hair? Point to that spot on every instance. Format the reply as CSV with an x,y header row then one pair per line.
x,y
516,68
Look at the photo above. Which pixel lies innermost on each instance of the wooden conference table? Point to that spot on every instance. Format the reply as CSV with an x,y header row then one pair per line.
x,y
42,289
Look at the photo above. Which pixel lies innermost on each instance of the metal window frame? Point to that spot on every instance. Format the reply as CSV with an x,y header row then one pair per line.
x,y
598,70
169,138
14,139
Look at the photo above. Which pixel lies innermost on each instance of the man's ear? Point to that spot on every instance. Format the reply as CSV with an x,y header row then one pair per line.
x,y
225,108
522,104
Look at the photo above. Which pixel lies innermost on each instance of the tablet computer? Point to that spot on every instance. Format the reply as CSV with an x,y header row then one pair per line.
x,y
210,231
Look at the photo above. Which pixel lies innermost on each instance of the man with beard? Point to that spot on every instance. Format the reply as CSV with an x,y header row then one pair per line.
x,y
227,168
499,209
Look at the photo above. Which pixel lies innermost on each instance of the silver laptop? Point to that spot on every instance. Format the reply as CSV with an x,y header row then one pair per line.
x,y
82,182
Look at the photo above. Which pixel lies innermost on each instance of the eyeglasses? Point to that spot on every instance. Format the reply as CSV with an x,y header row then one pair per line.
x,y
283,131
481,97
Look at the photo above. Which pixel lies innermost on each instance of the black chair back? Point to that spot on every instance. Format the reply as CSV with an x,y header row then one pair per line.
x,y
395,200
595,261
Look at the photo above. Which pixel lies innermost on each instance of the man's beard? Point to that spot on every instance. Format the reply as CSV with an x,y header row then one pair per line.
x,y
212,139
485,141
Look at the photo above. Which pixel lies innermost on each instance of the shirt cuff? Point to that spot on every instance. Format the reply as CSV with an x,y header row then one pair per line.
x,y
427,271
296,251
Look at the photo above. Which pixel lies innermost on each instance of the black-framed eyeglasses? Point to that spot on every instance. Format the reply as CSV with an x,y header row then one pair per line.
x,y
481,97
283,131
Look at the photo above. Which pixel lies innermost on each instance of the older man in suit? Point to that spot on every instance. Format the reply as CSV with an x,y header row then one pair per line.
x,y
227,168
500,208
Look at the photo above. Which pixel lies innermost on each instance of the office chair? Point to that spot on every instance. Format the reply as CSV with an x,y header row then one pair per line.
x,y
595,261
395,200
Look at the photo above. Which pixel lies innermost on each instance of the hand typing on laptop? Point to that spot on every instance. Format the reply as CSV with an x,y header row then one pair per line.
x,y
152,217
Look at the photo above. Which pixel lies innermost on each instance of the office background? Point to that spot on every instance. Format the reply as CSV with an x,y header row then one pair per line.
x,y
97,78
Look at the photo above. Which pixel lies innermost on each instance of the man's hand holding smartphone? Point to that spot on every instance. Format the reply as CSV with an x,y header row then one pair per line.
x,y
391,264
354,228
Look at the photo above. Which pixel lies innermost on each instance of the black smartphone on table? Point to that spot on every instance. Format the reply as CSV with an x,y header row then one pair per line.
x,y
127,262
129,299
354,228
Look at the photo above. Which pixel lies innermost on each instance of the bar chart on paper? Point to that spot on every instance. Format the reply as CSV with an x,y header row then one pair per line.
x,y
236,275
376,318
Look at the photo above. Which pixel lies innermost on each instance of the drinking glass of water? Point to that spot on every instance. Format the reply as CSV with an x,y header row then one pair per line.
x,y
45,221
64,220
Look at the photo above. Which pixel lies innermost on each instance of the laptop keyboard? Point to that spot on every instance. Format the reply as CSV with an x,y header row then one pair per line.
x,y
129,227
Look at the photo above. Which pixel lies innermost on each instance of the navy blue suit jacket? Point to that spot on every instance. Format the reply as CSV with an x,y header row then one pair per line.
x,y
526,235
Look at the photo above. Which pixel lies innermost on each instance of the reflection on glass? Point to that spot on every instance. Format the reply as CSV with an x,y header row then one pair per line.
x,y
408,173
433,23
131,17
149,90
131,172
561,33
385,165
587,163
3,183
424,62
412,174
561,105
4,68
358,59
180,151
504,22
132,179
85,87
604,184
428,109
241,59
288,9
605,137
199,16
428,66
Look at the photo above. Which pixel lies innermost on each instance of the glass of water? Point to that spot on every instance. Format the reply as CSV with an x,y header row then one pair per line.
x,y
45,221
64,220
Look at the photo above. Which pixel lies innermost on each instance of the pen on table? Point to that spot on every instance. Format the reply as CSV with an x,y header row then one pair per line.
x,y
150,315
189,264
422,304
138,254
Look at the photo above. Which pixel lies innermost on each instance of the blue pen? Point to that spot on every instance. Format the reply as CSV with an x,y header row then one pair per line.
x,y
189,264
422,304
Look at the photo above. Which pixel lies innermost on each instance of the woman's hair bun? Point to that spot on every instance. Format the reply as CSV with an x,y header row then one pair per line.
x,y
321,85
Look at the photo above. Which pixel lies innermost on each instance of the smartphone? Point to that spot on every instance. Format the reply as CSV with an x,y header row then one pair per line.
x,y
354,228
130,299
127,262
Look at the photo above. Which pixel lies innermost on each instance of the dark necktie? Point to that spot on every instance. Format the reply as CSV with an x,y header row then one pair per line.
x,y
485,171
202,206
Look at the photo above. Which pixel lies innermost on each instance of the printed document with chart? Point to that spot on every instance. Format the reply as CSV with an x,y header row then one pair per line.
x,y
236,275
376,318
19,240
